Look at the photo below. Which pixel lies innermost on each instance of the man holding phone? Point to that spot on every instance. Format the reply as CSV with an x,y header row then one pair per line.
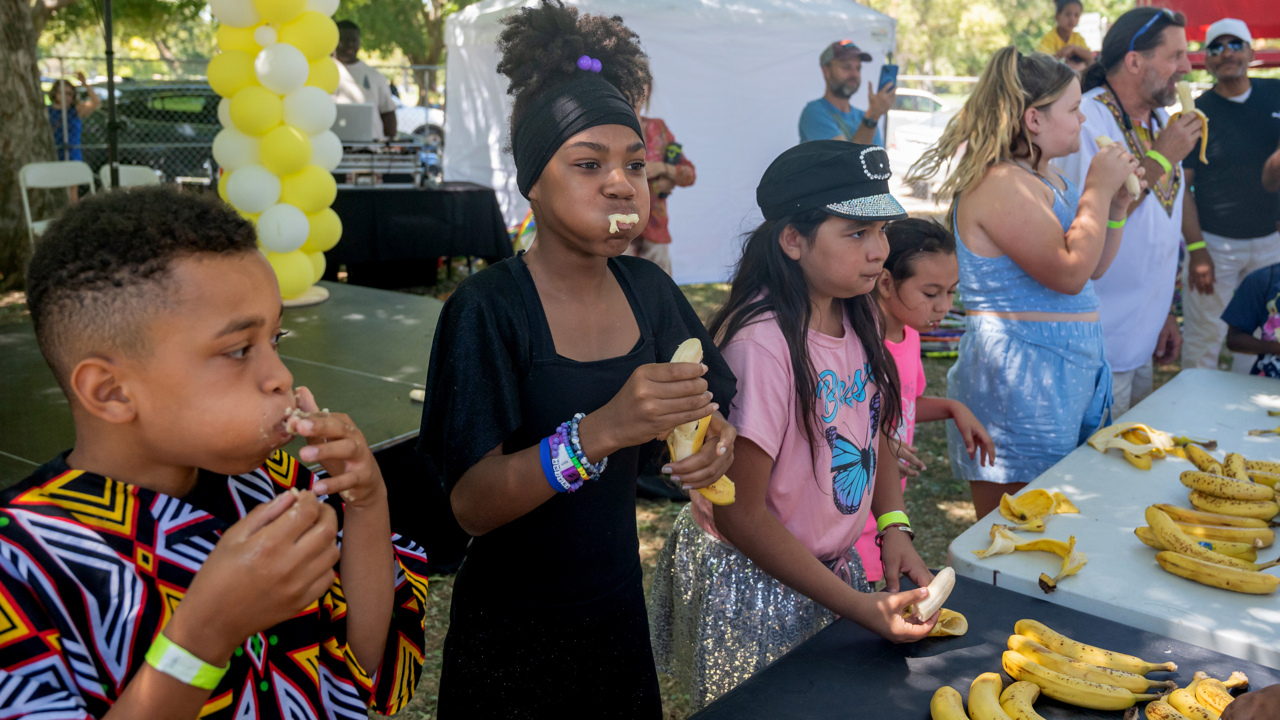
x,y
832,116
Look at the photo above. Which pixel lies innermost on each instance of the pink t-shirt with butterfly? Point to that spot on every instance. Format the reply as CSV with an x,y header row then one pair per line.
x,y
826,509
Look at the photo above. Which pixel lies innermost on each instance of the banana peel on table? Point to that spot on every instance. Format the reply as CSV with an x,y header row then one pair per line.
x,y
1138,442
687,439
1032,507
1004,541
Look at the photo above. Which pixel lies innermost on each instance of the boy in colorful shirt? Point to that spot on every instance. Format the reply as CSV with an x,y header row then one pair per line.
x,y
1254,307
176,563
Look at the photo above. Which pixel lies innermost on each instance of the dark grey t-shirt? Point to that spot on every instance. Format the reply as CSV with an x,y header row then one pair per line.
x,y
1229,194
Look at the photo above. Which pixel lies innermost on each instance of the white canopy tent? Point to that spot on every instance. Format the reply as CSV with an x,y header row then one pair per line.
x,y
730,80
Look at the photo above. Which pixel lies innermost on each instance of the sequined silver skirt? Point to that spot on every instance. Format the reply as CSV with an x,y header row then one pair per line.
x,y
717,619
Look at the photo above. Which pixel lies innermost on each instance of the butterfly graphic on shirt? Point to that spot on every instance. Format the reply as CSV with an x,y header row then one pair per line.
x,y
853,467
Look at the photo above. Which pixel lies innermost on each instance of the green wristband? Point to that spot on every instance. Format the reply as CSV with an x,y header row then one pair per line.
x,y
1116,224
1164,162
897,517
176,662
1195,246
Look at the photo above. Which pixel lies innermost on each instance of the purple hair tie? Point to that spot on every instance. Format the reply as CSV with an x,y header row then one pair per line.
x,y
586,62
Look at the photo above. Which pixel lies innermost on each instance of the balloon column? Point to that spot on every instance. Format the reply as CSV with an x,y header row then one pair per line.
x,y
276,151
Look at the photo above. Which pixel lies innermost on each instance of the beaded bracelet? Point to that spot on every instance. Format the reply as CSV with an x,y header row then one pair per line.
x,y
564,463
557,483
595,471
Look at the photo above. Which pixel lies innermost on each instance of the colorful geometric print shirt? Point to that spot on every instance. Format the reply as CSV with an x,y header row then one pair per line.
x,y
91,569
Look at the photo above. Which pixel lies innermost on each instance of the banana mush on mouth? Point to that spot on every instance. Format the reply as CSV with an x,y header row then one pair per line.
x,y
616,218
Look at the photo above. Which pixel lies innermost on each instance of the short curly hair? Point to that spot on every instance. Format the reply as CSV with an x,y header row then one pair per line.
x,y
100,271
540,47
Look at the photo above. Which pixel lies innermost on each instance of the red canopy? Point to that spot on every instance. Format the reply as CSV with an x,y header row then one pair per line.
x,y
1262,16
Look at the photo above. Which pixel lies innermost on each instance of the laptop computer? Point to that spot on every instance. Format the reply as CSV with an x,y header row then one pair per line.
x,y
355,122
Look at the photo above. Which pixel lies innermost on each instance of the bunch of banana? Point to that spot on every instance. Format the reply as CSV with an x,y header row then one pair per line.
x,y
1004,541
1038,653
1138,442
1063,645
687,439
1214,695
1185,556
1070,690
1189,108
1032,507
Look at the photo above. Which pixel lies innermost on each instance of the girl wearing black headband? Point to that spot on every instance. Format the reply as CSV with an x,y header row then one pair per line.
x,y
545,366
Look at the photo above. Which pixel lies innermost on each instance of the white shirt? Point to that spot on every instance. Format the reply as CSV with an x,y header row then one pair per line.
x,y
358,83
1137,290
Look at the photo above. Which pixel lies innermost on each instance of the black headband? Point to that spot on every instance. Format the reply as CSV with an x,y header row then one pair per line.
x,y
584,102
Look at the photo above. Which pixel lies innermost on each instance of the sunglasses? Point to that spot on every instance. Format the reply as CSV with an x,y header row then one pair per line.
x,y
1216,48
1164,12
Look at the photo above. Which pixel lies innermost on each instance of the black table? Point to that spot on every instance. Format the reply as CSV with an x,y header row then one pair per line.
x,y
394,237
846,671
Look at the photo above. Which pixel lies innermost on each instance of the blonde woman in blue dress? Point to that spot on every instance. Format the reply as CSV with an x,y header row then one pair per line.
x,y
1030,243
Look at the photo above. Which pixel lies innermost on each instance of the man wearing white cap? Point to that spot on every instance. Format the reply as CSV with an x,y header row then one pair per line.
x,y
1231,228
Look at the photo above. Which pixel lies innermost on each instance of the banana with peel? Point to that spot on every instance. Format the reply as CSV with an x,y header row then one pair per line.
x,y
1189,108
1071,690
1184,701
1231,488
687,439
1244,551
1018,701
1250,582
1213,694
1200,517
1161,710
1172,537
1261,537
984,698
1075,650
1257,509
1038,653
947,705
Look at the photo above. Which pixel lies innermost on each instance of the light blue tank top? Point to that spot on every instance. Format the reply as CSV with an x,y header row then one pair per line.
x,y
997,284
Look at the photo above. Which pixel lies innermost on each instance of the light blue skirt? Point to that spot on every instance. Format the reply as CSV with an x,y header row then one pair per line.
x,y
1040,388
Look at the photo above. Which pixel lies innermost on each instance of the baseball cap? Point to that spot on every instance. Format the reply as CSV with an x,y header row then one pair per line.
x,y
1228,26
842,50
843,178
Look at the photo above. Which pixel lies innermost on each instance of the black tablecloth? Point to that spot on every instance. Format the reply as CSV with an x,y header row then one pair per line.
x,y
398,226
846,671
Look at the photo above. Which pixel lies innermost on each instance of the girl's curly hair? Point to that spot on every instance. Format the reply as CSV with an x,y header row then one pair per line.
x,y
540,47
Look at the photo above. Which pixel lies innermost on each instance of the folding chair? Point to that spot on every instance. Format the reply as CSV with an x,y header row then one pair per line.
x,y
48,175
130,176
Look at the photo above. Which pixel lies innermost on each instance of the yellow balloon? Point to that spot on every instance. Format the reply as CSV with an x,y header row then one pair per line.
x,y
326,230
311,190
324,74
231,71
317,264
279,12
241,39
285,150
293,271
222,186
256,110
315,34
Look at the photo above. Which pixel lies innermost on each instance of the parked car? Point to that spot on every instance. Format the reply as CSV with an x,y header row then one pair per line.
x,y
427,123
914,106
166,126
913,128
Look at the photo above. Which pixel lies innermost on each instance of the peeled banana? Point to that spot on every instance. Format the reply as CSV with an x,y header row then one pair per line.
x,y
984,698
1257,509
1219,576
1018,700
1226,487
686,439
1064,645
1200,517
1070,690
939,590
1038,653
1135,189
1174,539
1189,108
1244,551
947,705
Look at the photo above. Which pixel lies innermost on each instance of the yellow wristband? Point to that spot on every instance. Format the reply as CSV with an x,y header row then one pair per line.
x,y
897,517
1116,224
178,663
1164,162
1195,246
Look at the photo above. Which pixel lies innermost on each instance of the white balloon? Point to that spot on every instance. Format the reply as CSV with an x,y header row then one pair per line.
x,y
281,68
283,228
224,113
326,150
266,36
235,13
253,188
327,7
233,149
310,109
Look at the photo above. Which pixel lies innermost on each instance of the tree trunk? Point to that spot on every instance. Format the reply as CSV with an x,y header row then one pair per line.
x,y
425,79
167,55
25,136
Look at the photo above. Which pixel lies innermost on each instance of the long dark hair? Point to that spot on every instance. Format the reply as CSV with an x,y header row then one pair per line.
x,y
1115,46
767,281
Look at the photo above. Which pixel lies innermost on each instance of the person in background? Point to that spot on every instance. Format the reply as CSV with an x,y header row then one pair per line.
x,y
667,169
1253,308
66,111
1230,228
1143,55
832,117
1261,704
359,83
1063,42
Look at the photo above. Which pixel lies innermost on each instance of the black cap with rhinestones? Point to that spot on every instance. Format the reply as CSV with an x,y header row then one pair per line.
x,y
842,178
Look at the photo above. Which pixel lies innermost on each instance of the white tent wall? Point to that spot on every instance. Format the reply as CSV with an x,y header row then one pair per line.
x,y
730,81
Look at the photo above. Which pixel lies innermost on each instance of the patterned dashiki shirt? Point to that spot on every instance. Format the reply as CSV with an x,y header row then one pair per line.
x,y
91,569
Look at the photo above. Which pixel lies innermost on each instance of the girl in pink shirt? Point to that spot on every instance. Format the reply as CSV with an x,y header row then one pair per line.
x,y
916,289
738,585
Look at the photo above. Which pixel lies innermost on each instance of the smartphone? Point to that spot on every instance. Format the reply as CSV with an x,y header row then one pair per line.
x,y
888,76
